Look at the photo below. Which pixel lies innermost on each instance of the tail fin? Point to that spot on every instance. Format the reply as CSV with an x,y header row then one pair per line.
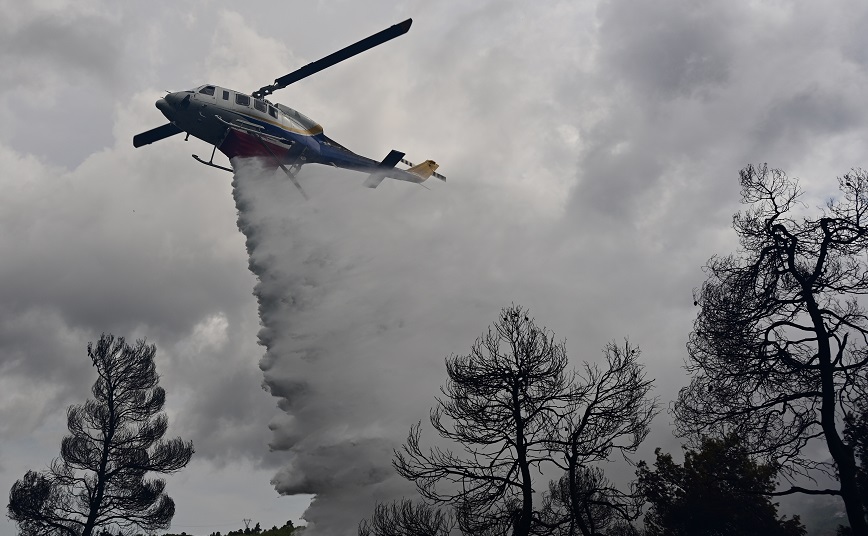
x,y
425,169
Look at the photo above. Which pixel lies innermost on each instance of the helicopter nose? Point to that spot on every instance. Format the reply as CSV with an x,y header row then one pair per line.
x,y
164,106
173,99
173,102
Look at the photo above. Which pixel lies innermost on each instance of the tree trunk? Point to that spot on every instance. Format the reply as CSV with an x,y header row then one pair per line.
x,y
108,437
841,453
523,523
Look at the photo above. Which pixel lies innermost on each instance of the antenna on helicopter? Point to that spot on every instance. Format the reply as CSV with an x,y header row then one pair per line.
x,y
345,53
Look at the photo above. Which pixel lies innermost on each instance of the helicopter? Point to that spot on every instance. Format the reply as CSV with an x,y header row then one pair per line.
x,y
242,125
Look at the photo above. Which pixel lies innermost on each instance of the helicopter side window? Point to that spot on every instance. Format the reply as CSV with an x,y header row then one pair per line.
x,y
259,105
207,90
242,100
225,95
272,112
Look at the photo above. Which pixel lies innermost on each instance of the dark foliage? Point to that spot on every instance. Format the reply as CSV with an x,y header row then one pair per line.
x,y
514,408
719,491
115,440
778,353
856,434
288,529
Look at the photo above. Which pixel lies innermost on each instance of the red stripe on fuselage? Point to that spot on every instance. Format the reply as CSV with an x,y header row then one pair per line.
x,y
246,145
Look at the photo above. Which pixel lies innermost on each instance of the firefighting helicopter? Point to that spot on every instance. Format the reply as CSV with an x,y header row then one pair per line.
x,y
242,125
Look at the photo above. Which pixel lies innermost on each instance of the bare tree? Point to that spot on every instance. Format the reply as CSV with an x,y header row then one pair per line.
x,y
609,411
406,518
515,409
780,346
498,399
116,439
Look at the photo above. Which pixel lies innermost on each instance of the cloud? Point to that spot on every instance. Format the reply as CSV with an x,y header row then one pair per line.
x,y
114,246
48,46
668,49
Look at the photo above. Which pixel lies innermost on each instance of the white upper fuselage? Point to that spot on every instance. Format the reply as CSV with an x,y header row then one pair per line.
x,y
196,115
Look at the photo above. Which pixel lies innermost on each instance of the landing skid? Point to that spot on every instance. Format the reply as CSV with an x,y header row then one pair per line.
x,y
214,150
212,164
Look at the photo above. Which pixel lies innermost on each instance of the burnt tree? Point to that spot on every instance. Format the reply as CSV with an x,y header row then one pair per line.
x,y
608,412
497,404
115,440
517,411
583,503
779,349
406,518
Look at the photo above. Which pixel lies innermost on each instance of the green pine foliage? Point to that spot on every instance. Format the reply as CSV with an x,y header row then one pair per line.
x,y
719,491
856,434
288,529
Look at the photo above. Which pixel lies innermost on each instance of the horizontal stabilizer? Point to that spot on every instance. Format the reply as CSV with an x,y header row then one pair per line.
x,y
155,134
375,178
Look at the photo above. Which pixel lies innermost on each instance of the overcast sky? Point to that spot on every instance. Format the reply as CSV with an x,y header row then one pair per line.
x,y
591,149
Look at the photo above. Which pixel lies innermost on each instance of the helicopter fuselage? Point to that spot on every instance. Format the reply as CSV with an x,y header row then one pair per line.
x,y
207,112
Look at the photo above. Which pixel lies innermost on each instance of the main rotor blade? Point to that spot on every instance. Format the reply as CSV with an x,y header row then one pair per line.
x,y
155,134
337,57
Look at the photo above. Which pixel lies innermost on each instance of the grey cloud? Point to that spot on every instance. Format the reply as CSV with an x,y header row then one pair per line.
x,y
39,354
227,412
75,46
805,115
697,91
668,49
137,254
855,42
60,69
664,67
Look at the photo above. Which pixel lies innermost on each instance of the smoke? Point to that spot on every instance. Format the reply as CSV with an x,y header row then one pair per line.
x,y
346,284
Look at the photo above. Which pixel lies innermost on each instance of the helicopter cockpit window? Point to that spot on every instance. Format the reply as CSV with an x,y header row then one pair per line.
x,y
207,90
304,120
242,100
259,105
272,112
301,119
